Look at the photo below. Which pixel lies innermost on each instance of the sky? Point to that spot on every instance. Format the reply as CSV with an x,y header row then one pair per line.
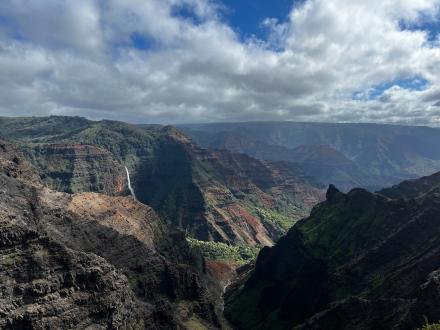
x,y
183,61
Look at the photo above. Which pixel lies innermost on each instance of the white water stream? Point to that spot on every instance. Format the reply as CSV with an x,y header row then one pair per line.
x,y
129,184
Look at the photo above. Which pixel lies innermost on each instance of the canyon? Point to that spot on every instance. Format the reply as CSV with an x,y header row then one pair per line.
x,y
109,225
212,195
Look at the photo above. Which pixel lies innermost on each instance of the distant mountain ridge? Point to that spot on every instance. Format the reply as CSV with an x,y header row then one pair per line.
x,y
380,155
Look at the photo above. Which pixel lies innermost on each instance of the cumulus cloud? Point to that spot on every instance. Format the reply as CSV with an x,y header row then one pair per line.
x,y
80,58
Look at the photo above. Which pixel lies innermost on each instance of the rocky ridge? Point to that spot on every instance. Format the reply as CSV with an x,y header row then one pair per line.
x,y
360,261
90,260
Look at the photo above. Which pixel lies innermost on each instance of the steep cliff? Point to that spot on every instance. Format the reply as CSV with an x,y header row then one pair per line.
x,y
92,260
360,261
76,168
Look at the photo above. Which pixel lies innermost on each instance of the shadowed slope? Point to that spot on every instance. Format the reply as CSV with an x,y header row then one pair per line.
x,y
361,260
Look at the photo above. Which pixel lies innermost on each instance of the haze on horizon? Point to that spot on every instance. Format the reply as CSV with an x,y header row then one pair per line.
x,y
180,61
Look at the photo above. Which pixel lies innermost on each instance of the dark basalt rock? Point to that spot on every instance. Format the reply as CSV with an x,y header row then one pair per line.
x,y
333,194
43,285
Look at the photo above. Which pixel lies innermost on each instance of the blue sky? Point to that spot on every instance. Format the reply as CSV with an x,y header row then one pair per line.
x,y
416,83
173,61
429,24
246,16
140,42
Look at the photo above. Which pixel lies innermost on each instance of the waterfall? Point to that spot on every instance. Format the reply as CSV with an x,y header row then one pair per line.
x,y
129,184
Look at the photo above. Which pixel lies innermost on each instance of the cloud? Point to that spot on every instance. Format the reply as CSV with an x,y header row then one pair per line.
x,y
79,58
54,23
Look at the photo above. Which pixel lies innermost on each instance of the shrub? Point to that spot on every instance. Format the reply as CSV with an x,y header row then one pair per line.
x,y
222,251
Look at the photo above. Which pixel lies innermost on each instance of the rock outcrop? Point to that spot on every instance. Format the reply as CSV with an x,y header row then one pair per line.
x,y
45,285
13,164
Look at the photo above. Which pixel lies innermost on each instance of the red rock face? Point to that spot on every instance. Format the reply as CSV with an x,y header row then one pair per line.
x,y
235,186
120,185
220,196
248,226
221,270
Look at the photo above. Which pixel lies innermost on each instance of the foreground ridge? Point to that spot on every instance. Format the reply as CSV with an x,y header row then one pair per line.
x,y
361,260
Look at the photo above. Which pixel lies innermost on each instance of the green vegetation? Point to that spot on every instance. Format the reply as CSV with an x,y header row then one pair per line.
x,y
242,309
41,129
9,259
222,251
123,140
433,326
283,221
